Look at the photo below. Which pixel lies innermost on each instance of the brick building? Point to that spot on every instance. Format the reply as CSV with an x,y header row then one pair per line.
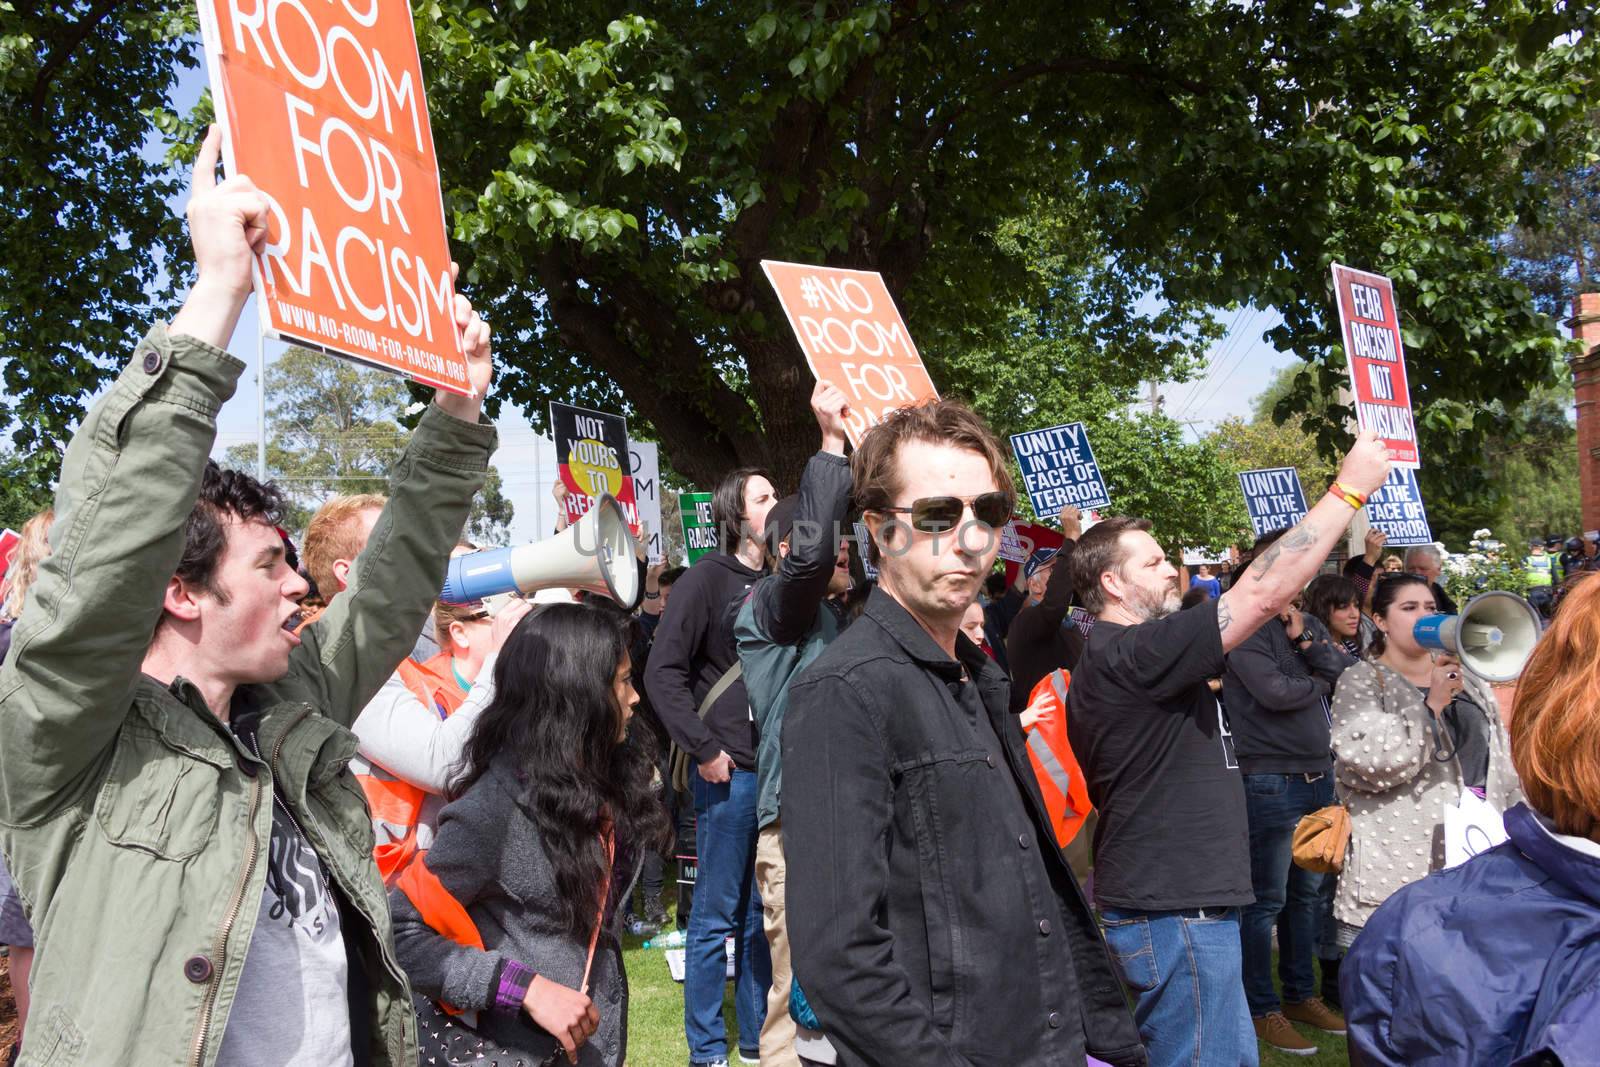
x,y
1585,324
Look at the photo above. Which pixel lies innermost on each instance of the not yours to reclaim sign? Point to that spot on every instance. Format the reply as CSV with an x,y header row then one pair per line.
x,y
323,107
852,335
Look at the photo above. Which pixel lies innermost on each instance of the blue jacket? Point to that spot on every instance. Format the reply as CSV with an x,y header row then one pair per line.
x,y
1496,961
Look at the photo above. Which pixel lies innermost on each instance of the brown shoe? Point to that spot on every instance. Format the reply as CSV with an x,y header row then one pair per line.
x,y
1276,1030
1314,1012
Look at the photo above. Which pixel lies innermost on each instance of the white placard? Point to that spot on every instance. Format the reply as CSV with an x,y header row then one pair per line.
x,y
646,460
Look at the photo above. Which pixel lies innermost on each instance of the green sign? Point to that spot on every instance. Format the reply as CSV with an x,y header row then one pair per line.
x,y
699,529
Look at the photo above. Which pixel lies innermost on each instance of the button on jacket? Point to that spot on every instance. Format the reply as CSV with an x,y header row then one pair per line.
x,y
913,901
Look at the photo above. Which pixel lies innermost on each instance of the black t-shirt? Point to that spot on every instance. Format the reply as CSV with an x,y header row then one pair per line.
x,y
1153,743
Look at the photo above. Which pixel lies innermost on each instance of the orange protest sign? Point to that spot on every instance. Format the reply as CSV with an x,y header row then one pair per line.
x,y
852,335
323,107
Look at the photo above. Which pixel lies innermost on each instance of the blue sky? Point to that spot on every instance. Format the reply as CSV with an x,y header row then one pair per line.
x,y
1237,369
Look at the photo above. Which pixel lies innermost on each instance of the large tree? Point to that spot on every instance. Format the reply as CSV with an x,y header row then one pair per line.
x,y
613,183
86,230
618,193
336,428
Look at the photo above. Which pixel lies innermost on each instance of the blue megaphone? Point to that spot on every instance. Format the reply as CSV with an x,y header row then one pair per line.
x,y
1492,637
596,553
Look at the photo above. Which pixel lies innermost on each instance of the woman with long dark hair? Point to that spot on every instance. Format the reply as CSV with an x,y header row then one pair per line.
x,y
511,913
1410,729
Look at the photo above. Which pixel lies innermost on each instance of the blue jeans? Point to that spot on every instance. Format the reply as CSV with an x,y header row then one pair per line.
x,y
1288,897
726,904
1184,971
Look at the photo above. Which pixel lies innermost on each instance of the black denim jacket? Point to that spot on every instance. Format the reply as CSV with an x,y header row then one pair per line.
x,y
898,866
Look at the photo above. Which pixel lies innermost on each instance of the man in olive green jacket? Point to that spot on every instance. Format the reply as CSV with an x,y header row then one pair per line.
x,y
175,801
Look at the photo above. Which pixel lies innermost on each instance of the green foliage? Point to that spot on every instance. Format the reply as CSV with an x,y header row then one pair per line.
x,y
87,237
1527,475
489,525
1188,490
1230,157
1480,572
334,429
1018,176
25,488
1559,255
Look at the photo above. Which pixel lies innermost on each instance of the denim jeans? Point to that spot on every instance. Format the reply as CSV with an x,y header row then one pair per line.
x,y
726,904
1183,970
1288,897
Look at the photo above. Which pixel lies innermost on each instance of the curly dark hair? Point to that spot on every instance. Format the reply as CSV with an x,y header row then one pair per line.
x,y
1329,592
224,495
555,716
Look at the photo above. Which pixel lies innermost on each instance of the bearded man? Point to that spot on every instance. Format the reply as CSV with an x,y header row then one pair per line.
x,y
1172,852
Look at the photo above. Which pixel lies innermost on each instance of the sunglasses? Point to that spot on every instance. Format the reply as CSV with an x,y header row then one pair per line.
x,y
939,514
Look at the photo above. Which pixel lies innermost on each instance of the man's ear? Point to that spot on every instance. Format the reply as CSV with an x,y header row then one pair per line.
x,y
341,574
1112,585
181,600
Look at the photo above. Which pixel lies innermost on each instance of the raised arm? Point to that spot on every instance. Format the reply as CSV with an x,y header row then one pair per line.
x,y
787,605
359,641
1058,590
1280,572
128,483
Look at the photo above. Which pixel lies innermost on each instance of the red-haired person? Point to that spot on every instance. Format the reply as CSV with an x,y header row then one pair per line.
x,y
1498,960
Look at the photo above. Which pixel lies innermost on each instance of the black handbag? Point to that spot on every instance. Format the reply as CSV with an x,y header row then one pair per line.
x,y
444,1040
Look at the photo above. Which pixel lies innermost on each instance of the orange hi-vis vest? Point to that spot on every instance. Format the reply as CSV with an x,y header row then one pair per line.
x,y
1066,793
396,805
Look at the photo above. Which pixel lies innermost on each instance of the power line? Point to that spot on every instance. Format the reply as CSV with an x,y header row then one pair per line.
x,y
1214,359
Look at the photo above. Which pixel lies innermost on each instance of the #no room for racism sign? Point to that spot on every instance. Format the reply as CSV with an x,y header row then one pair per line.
x,y
322,106
852,335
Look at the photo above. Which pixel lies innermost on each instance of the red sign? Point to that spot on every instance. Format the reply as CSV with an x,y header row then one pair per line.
x,y
852,335
1033,537
9,539
323,107
1370,320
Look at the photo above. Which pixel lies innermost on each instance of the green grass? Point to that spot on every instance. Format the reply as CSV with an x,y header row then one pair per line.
x,y
655,1018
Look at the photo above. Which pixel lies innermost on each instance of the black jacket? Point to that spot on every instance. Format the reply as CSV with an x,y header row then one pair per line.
x,y
900,864
693,648
1038,643
1276,706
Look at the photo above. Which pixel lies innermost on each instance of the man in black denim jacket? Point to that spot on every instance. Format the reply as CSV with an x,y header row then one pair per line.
x,y
932,918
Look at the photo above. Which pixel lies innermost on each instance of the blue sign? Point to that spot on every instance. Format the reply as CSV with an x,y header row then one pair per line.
x,y
1059,470
1396,509
1274,498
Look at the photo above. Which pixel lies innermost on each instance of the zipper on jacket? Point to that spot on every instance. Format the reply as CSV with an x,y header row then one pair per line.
x,y
220,947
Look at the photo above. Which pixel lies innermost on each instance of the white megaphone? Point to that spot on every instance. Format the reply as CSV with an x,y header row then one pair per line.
x,y
1492,637
596,553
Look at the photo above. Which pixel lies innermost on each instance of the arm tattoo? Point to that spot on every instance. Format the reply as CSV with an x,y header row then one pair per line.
x,y
1298,539
1224,615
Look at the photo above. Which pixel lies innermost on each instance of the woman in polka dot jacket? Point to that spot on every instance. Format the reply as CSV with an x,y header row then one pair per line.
x,y
1409,731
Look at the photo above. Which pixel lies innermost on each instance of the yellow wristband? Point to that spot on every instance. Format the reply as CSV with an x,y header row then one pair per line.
x,y
1348,495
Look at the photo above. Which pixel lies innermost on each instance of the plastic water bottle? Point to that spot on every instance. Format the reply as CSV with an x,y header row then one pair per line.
x,y
676,939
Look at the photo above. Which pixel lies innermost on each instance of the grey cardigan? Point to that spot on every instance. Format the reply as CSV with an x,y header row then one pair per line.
x,y
1395,790
488,855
